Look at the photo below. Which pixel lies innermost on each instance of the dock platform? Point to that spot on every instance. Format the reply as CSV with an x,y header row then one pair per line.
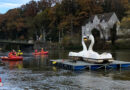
x,y
82,65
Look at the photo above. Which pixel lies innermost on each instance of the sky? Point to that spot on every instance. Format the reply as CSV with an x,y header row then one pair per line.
x,y
5,5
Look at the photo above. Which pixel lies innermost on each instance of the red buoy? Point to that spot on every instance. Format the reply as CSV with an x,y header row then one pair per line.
x,y
1,84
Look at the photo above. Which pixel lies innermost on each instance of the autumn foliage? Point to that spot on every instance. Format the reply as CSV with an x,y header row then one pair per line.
x,y
54,16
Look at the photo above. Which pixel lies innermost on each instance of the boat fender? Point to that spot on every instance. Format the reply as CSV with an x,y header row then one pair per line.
x,y
1,84
54,62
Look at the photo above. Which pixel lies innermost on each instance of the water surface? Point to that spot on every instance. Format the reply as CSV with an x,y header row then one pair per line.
x,y
35,73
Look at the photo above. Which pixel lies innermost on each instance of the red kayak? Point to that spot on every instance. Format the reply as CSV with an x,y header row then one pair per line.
x,y
40,53
12,58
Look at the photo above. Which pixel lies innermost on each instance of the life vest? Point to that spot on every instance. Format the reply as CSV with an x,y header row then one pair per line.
x,y
10,54
36,51
42,51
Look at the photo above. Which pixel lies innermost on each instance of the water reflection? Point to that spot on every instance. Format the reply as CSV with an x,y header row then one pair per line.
x,y
14,64
122,55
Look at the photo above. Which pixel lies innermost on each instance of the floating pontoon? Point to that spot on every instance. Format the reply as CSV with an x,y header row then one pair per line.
x,y
82,65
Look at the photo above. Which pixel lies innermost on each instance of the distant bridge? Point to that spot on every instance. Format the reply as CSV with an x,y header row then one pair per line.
x,y
16,42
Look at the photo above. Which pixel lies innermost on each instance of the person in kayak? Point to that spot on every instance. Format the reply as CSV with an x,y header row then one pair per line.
x,y
42,51
19,53
12,53
36,51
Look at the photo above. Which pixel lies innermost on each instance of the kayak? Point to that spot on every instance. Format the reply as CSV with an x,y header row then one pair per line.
x,y
12,58
40,53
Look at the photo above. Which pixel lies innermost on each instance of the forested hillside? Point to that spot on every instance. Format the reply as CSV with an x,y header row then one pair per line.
x,y
48,18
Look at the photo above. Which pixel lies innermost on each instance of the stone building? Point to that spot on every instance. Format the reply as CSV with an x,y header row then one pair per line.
x,y
103,23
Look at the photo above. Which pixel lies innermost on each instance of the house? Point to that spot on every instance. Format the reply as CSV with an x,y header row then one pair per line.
x,y
103,23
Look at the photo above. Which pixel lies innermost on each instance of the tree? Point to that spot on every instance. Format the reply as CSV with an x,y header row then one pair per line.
x,y
117,6
30,9
125,22
41,23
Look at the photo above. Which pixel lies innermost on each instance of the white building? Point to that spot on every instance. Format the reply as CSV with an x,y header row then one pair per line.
x,y
103,23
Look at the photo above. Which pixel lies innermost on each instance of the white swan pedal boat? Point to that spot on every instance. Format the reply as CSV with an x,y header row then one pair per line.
x,y
99,61
92,60
89,55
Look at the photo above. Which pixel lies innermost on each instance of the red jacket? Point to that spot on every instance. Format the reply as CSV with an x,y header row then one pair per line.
x,y
12,54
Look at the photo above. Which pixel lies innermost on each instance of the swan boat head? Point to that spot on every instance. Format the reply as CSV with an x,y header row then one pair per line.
x,y
93,54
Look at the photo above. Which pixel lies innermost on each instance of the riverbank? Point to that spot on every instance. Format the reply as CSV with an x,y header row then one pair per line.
x,y
119,44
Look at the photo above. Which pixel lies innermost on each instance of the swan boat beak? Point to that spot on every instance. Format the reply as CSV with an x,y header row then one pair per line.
x,y
85,39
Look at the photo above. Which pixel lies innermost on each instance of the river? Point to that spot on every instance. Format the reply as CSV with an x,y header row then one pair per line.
x,y
35,73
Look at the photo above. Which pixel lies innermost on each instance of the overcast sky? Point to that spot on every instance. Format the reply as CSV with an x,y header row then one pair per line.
x,y
5,5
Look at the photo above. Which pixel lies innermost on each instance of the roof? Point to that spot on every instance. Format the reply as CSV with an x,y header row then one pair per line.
x,y
105,16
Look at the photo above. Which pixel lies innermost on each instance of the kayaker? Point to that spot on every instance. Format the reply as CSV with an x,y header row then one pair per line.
x,y
10,54
42,51
36,51
13,52
19,53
